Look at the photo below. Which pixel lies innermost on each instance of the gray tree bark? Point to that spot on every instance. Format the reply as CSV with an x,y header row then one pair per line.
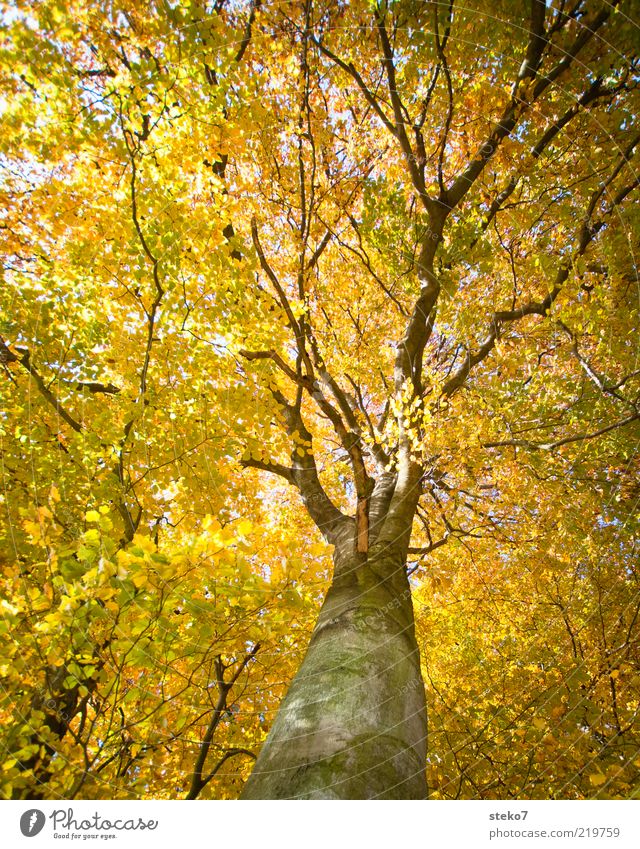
x,y
353,724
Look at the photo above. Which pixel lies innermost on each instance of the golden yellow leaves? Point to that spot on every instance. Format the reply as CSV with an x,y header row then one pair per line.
x,y
39,529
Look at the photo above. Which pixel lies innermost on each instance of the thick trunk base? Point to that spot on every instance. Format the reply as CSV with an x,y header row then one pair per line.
x,y
353,724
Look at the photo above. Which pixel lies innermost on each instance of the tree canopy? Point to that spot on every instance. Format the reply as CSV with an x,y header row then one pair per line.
x,y
262,262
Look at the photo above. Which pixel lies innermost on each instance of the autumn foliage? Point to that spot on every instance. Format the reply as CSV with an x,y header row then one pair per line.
x,y
241,237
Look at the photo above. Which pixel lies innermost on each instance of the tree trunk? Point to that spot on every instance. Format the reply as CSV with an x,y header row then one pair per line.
x,y
353,723
59,706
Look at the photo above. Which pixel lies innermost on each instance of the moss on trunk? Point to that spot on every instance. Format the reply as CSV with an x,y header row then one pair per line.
x,y
353,723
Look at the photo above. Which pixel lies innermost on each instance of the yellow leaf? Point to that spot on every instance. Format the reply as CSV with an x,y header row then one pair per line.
x,y
244,527
145,543
210,523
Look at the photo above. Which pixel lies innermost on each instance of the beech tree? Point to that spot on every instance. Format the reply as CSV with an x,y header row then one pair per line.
x,y
320,360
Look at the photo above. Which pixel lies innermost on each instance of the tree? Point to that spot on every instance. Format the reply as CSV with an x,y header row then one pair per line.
x,y
367,267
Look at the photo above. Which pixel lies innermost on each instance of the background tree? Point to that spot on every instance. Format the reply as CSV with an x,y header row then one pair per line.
x,y
363,266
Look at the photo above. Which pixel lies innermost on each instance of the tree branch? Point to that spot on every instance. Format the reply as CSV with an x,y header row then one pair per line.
x,y
399,111
7,356
588,232
197,781
550,446
518,106
327,517
268,466
353,73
